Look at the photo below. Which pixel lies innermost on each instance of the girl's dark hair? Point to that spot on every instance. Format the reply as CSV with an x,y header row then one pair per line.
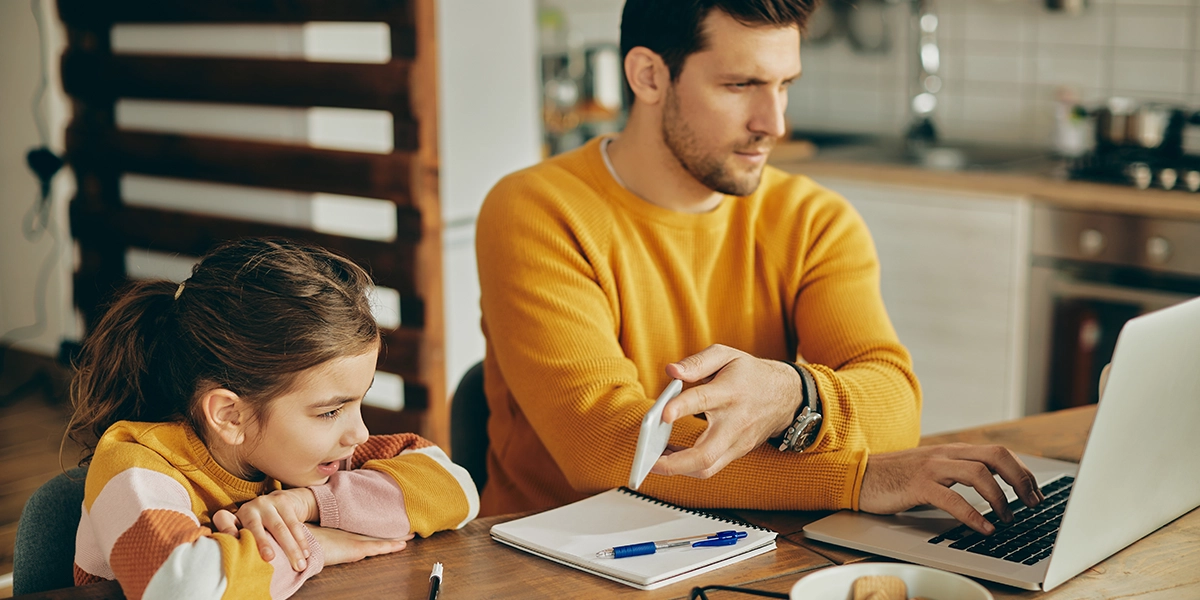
x,y
253,314
674,29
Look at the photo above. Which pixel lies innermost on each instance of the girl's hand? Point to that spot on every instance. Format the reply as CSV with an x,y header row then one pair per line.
x,y
280,515
345,547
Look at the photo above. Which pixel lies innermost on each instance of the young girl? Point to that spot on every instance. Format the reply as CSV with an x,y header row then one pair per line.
x,y
232,459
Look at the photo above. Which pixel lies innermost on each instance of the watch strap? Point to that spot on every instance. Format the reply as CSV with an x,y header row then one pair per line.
x,y
809,410
811,398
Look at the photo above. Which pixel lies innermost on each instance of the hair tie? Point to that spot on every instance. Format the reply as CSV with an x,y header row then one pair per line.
x,y
179,290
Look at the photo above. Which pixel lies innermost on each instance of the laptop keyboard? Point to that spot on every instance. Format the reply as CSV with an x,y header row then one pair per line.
x,y
1028,539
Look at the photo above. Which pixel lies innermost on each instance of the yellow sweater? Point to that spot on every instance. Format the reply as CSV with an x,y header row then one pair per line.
x,y
588,292
152,488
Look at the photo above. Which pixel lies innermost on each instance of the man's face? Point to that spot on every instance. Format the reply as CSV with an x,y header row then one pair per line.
x,y
724,113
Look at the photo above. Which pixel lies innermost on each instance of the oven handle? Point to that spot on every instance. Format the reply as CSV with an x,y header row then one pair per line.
x,y
1149,299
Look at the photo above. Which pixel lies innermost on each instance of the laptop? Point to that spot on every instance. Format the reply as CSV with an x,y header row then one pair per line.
x,y
1137,474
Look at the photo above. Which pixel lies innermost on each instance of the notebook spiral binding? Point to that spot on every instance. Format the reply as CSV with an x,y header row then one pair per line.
x,y
700,513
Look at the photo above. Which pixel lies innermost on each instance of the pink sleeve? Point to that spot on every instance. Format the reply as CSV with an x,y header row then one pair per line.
x,y
363,501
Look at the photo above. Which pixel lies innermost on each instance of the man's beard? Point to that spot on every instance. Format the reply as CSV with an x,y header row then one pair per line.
x,y
708,169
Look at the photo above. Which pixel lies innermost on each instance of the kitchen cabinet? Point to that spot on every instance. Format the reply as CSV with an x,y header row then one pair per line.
x,y
954,275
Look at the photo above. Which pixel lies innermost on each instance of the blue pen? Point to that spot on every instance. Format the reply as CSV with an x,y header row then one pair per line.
x,y
720,538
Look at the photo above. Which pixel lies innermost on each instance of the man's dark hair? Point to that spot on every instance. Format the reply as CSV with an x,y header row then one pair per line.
x,y
673,29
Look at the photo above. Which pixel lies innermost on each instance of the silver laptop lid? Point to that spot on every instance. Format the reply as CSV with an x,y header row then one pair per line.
x,y
1138,468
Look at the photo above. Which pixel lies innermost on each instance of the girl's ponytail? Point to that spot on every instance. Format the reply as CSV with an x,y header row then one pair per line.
x,y
113,382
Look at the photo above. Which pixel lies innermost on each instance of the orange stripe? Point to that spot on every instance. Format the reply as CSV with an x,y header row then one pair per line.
x,y
387,446
144,547
84,578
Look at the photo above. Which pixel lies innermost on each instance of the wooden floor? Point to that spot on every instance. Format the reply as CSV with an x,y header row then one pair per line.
x,y
31,427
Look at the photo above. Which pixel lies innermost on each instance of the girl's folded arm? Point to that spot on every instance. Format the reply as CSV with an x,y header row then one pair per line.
x,y
142,520
400,485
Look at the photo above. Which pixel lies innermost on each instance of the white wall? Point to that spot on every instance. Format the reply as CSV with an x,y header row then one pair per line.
x,y
490,125
22,260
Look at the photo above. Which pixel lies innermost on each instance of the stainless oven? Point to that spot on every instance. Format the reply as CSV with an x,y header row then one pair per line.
x,y
1091,272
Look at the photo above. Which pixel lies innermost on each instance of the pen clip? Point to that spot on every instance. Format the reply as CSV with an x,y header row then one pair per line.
x,y
730,533
721,538
725,541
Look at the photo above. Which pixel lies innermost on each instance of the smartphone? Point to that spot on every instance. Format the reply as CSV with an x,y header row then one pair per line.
x,y
652,439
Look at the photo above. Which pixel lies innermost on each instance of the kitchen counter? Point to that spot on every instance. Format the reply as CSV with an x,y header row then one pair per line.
x,y
1036,178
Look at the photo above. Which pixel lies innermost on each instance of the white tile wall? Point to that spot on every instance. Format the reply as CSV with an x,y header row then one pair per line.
x,y
1090,29
1008,22
994,63
1003,63
1163,27
1154,73
1069,65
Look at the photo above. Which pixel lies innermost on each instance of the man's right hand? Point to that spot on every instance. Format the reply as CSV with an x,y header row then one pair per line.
x,y
898,481
345,547
745,399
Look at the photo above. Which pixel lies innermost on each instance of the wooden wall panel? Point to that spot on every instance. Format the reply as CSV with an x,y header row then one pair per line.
x,y
299,168
105,228
400,15
102,77
90,12
391,264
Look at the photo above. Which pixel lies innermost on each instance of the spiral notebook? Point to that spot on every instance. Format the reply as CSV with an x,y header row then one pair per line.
x,y
572,534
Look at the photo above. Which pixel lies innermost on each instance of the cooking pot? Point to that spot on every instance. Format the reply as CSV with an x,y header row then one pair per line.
x,y
1152,125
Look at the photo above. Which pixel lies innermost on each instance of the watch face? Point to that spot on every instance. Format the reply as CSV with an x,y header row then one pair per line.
x,y
808,432
802,431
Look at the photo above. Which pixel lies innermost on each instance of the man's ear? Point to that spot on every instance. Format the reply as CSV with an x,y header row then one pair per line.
x,y
647,75
226,415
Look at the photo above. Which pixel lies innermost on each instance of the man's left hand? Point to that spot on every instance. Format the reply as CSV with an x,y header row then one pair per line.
x,y
746,400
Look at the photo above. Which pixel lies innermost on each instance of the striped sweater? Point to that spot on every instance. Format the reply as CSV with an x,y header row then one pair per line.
x,y
588,292
152,486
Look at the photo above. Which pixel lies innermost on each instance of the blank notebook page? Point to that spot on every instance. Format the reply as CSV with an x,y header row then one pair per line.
x,y
572,535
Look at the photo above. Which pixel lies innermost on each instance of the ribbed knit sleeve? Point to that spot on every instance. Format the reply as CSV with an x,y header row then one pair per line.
x,y
588,292
869,393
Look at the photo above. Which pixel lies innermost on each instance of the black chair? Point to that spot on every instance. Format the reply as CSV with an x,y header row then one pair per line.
x,y
468,425
44,552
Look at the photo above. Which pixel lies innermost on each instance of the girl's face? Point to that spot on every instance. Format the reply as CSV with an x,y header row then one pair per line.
x,y
306,433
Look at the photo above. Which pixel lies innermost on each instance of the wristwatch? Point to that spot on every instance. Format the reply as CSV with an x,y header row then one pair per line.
x,y
803,431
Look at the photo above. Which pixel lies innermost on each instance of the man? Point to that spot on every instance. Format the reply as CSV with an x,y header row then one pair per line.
x,y
673,245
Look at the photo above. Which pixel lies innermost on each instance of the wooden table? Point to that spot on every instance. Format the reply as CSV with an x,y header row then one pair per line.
x,y
1165,564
